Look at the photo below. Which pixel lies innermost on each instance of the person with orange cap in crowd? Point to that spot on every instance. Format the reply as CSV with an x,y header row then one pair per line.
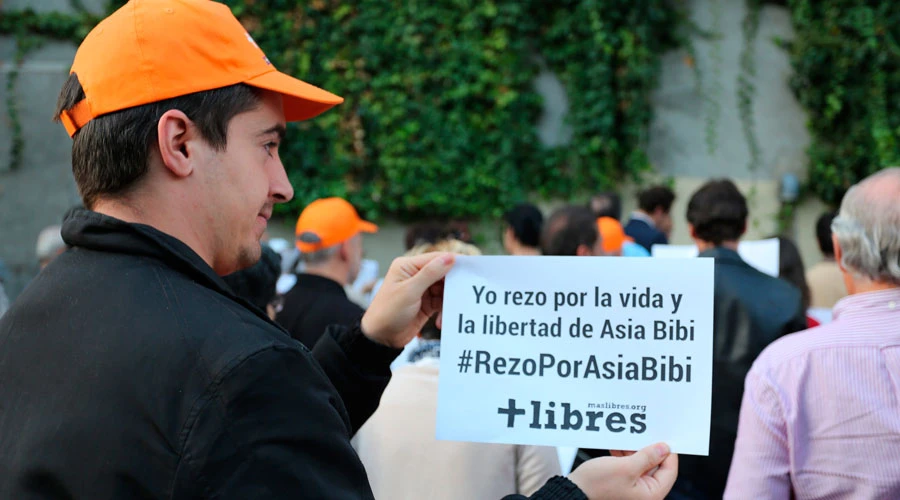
x,y
330,242
616,242
612,236
149,377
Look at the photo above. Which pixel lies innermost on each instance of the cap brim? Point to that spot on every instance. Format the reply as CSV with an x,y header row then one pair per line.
x,y
367,227
302,101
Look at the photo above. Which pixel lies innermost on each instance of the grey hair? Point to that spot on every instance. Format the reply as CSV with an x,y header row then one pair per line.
x,y
868,228
319,256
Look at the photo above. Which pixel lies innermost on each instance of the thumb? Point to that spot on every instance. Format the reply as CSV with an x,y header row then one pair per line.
x,y
433,272
647,459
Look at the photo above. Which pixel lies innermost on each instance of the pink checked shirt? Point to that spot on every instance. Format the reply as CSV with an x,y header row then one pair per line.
x,y
821,409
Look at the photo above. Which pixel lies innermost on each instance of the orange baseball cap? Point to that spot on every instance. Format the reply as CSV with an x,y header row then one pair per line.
x,y
152,50
327,222
612,234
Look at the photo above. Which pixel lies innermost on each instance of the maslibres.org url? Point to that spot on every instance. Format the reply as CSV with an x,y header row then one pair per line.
x,y
616,406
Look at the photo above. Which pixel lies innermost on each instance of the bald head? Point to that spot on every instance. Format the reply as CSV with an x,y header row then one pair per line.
x,y
867,229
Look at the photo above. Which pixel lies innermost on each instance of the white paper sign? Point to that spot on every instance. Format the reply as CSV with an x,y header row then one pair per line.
x,y
593,352
761,254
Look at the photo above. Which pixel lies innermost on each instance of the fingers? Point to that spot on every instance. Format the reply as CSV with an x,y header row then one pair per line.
x,y
667,472
407,267
435,268
647,459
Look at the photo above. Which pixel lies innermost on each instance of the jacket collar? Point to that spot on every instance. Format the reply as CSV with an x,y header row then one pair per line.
x,y
868,303
722,253
321,284
637,215
95,231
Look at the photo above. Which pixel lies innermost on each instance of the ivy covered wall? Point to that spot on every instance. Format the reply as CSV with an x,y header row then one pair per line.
x,y
440,110
846,59
441,107
440,99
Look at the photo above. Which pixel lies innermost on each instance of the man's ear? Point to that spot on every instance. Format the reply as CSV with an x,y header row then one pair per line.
x,y
175,137
838,252
692,231
344,251
583,251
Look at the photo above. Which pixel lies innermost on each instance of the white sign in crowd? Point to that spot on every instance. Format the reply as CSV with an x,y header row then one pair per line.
x,y
761,254
600,352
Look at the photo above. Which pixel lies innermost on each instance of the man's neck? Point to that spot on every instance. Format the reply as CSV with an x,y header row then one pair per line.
x,y
864,286
336,273
703,246
162,218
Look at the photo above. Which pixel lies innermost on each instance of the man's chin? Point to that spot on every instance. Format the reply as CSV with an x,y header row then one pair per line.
x,y
249,256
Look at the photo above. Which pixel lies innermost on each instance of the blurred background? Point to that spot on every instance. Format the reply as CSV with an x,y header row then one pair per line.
x,y
460,109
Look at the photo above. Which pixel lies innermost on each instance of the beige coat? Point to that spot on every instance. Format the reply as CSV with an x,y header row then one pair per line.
x,y
404,460
826,284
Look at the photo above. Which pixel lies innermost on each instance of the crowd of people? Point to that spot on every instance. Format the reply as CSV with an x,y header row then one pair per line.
x,y
163,352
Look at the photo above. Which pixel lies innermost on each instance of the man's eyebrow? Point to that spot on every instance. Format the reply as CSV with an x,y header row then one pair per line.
x,y
276,129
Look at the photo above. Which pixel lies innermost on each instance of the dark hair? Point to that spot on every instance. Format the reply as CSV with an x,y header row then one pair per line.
x,y
458,230
823,233
525,220
718,212
430,331
111,153
431,232
567,229
657,196
791,269
423,233
606,204
256,284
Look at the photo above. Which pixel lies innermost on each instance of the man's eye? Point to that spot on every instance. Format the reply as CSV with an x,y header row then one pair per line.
x,y
270,146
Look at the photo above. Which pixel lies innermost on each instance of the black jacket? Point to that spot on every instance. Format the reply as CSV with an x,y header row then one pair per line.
x,y
128,369
313,304
750,310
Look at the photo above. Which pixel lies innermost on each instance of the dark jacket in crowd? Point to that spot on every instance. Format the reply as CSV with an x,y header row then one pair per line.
x,y
751,309
129,370
645,234
313,304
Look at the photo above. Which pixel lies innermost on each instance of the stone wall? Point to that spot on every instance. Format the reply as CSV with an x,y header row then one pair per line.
x,y
37,193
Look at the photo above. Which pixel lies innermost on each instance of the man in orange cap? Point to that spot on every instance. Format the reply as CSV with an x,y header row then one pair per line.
x,y
612,236
616,242
330,241
148,377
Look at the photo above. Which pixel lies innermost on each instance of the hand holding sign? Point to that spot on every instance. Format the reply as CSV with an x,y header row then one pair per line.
x,y
645,475
412,292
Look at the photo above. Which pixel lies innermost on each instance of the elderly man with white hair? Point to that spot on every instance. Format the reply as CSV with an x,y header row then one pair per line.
x,y
821,411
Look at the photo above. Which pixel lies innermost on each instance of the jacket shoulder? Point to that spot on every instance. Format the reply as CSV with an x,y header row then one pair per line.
x,y
166,312
214,325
